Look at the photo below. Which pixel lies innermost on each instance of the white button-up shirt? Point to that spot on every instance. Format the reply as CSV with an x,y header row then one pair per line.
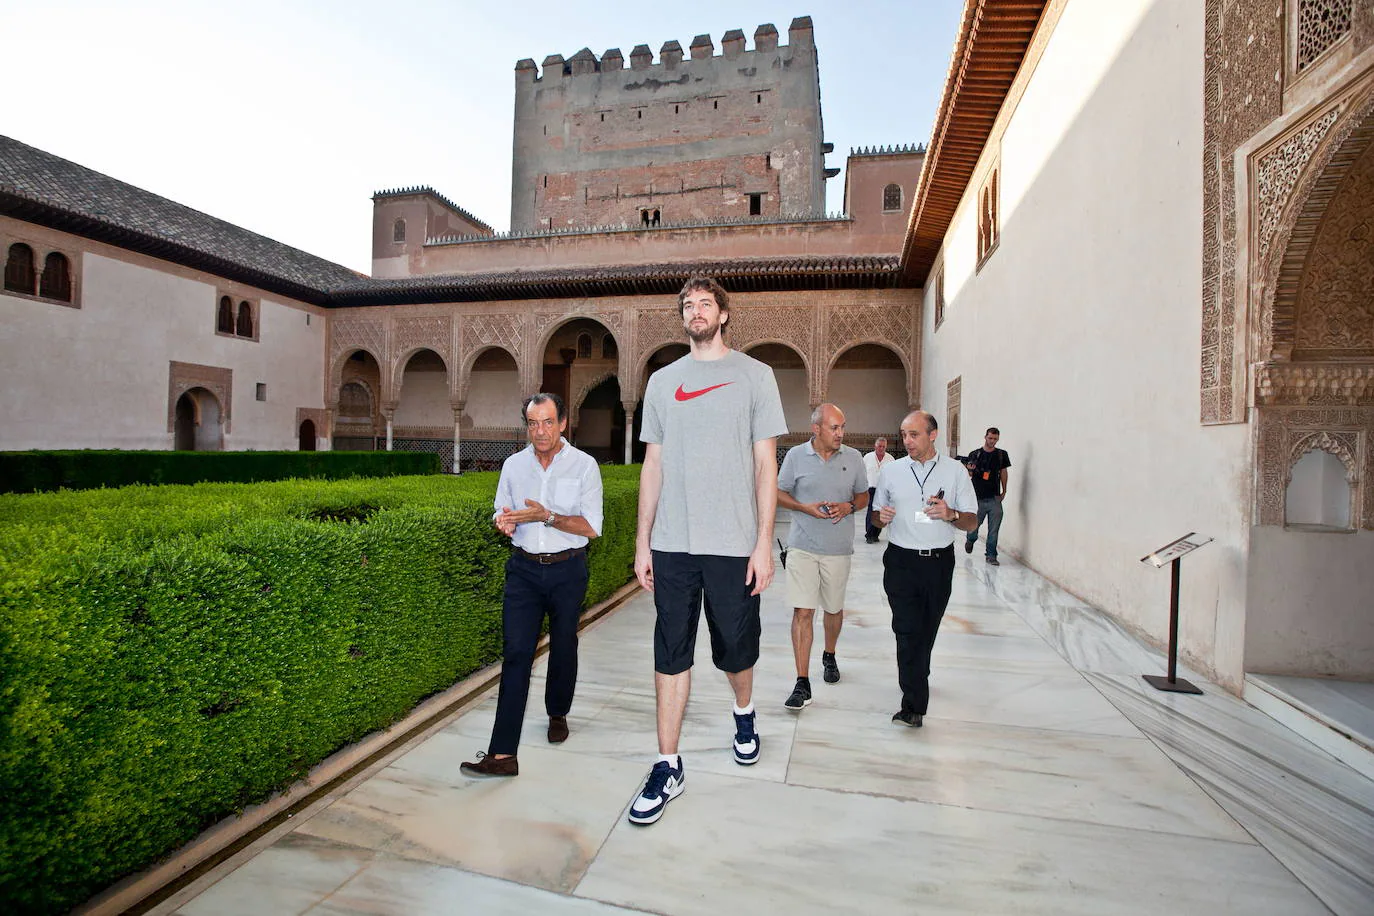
x,y
874,467
905,485
571,485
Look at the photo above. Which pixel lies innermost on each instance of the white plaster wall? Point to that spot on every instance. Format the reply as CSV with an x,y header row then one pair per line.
x,y
494,398
97,376
1318,623
1080,335
424,399
796,399
873,400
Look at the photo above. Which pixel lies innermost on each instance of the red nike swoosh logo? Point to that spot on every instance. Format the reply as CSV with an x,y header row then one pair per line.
x,y
682,395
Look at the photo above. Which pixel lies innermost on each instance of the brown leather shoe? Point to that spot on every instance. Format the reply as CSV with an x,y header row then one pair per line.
x,y
487,765
558,729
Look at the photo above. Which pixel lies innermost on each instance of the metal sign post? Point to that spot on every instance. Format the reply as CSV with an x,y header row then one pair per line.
x,y
1172,553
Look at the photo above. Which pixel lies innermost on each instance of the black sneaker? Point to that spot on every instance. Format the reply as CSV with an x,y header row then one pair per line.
x,y
832,670
663,785
992,561
968,545
800,698
907,717
746,740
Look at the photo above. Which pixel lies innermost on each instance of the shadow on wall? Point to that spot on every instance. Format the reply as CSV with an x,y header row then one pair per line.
x,y
1025,481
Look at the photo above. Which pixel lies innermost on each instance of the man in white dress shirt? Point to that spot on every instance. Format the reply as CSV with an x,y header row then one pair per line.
x,y
874,462
557,489
924,501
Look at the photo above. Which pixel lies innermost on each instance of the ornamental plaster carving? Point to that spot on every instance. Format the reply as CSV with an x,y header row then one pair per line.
x,y
503,330
792,326
1277,172
657,328
1335,307
182,377
1298,384
433,332
359,334
1286,434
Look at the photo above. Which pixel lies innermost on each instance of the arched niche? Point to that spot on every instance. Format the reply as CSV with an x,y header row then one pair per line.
x,y
868,381
493,391
423,400
792,373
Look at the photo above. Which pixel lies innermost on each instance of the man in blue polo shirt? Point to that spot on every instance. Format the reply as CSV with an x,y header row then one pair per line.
x,y
924,501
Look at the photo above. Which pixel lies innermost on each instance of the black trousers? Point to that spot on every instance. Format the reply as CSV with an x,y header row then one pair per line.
x,y
532,591
918,590
870,529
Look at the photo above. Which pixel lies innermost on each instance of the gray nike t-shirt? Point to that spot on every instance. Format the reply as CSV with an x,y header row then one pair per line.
x,y
707,415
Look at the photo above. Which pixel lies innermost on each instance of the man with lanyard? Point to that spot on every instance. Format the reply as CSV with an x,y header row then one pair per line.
x,y
823,482
874,462
988,465
707,496
558,488
923,501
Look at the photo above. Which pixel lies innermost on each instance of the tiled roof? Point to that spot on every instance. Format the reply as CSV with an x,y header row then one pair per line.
x,y
42,188
737,275
39,187
992,43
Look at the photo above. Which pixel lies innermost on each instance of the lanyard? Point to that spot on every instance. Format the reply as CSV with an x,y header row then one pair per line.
x,y
921,482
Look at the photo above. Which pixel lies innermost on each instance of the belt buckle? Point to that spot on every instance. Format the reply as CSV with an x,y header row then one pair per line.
x,y
546,559
925,552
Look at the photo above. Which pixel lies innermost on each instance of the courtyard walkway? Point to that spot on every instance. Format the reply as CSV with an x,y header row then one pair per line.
x,y
1049,778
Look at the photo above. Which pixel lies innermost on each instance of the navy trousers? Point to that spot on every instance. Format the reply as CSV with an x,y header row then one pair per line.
x,y
918,590
534,591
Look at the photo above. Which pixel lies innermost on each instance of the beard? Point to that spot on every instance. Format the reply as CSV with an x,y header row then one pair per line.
x,y
703,333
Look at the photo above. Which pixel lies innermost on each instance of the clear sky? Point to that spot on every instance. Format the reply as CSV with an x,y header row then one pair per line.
x,y
284,116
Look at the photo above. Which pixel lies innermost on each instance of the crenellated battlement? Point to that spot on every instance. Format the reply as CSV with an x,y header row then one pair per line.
x,y
670,56
424,190
899,149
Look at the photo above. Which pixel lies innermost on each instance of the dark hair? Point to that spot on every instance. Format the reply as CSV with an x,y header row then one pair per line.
x,y
543,397
708,285
994,430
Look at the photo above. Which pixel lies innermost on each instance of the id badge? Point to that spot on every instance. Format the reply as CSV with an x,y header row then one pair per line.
x,y
922,518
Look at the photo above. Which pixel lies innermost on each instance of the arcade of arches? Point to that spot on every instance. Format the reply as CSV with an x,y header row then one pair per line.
x,y
450,378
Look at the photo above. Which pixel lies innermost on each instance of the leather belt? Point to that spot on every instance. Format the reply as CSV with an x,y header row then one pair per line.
x,y
926,551
546,559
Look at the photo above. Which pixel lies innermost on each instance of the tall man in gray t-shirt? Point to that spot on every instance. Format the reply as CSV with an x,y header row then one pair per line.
x,y
707,497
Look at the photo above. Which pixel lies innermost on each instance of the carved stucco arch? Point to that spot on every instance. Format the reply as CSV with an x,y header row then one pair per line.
x,y
575,403
336,375
398,370
1280,272
812,392
470,360
531,374
641,362
1323,441
875,341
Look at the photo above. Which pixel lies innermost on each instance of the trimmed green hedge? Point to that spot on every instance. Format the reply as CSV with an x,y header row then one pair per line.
x,y
40,471
171,654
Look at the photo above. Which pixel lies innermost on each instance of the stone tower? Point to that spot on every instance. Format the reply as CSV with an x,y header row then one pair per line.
x,y
692,137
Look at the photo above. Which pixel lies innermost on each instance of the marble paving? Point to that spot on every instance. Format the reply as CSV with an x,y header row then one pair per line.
x,y
1049,778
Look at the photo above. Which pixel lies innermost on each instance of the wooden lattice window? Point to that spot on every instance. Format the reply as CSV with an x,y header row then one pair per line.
x,y
398,231
1321,23
584,345
224,320
892,197
608,348
939,297
355,401
19,269
989,220
244,326
57,278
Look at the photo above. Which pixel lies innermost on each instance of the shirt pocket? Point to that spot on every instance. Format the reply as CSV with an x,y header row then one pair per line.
x,y
566,496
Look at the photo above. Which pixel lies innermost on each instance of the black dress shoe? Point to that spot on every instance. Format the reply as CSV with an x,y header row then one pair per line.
x,y
907,718
558,729
487,765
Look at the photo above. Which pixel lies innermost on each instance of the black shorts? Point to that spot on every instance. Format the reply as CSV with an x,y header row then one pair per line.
x,y
732,614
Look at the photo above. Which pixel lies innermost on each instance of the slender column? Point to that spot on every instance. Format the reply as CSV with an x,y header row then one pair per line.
x,y
629,431
390,416
457,440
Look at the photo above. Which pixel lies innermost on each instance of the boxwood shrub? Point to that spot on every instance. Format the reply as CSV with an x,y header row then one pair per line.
x,y
39,471
171,654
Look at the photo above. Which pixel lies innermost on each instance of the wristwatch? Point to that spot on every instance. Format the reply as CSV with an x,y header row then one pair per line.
x,y
548,522
852,508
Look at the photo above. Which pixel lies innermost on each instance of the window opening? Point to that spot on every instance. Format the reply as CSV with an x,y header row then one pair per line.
x,y
584,345
244,328
224,323
398,231
755,204
19,269
262,391
892,197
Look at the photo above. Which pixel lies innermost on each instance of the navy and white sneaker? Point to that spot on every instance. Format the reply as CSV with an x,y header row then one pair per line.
x,y
746,740
664,784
